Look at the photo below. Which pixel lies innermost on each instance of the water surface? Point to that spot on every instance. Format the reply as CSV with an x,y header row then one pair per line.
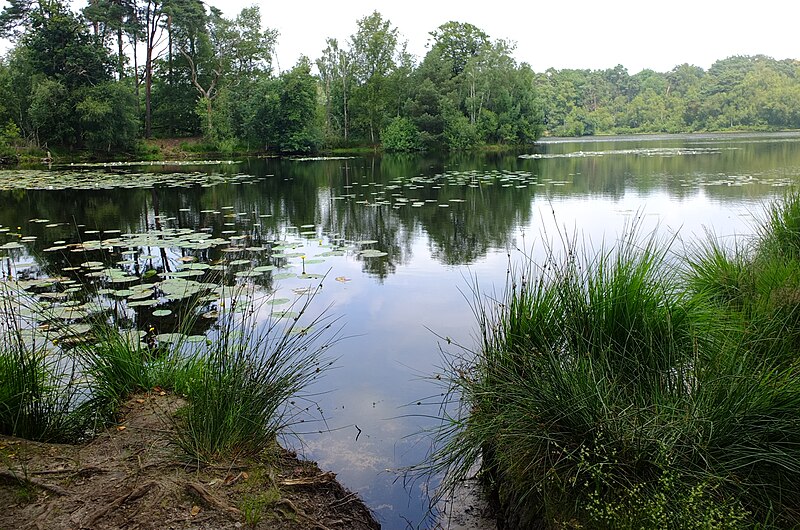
x,y
433,225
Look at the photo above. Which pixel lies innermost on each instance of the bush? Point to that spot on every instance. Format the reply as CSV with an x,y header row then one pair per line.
x,y
459,133
401,136
240,398
108,118
606,392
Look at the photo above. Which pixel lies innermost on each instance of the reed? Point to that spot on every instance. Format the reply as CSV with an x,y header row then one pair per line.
x,y
40,386
251,379
612,392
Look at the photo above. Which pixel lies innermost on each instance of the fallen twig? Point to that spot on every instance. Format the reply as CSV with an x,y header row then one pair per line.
x,y
90,521
323,478
211,500
344,500
301,514
20,477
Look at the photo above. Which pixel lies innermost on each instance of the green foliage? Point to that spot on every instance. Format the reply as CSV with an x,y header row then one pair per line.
x,y
119,365
9,139
401,136
108,117
215,79
240,400
61,47
755,286
459,133
51,116
283,111
667,503
10,134
611,393
39,390
739,92
779,233
457,43
174,108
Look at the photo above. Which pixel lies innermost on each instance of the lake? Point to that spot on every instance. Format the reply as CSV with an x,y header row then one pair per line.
x,y
397,242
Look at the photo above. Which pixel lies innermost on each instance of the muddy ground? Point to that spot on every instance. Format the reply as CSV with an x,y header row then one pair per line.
x,y
132,477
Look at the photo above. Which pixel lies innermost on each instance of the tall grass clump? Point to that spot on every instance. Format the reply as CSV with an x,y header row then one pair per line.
x,y
120,362
756,284
778,232
40,390
606,394
240,398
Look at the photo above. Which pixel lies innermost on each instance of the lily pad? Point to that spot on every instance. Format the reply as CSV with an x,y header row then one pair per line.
x,y
278,301
284,314
248,274
142,303
170,338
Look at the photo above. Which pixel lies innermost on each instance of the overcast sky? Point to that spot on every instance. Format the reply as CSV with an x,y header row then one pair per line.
x,y
591,34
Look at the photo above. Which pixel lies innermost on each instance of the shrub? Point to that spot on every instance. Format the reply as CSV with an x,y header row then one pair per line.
x,y
240,399
606,393
401,136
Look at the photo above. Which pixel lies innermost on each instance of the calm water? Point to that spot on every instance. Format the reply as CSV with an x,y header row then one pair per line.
x,y
440,221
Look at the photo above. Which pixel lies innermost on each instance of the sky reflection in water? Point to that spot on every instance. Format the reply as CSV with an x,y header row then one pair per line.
x,y
445,224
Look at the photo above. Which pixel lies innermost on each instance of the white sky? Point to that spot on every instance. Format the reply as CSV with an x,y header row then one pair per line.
x,y
594,34
591,34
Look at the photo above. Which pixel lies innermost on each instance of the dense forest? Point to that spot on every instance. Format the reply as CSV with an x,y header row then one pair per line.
x,y
118,71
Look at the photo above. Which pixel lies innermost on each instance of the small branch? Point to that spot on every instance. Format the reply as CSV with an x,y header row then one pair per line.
x,y
82,472
344,500
90,522
324,478
200,491
301,514
58,490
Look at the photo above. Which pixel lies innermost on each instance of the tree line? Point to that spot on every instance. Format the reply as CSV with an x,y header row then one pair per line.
x,y
102,78
740,92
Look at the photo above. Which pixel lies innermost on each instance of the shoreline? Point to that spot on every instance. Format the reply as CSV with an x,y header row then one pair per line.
x,y
131,474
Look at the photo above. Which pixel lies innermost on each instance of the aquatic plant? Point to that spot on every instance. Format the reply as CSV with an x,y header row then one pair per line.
x,y
251,379
605,392
40,388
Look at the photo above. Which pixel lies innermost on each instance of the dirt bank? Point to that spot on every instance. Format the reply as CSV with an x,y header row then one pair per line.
x,y
131,476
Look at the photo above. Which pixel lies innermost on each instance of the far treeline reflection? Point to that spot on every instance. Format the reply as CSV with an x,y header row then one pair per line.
x,y
466,204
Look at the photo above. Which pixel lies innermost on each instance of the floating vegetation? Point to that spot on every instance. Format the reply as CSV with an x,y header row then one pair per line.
x,y
160,163
186,257
278,301
285,314
87,179
321,158
647,151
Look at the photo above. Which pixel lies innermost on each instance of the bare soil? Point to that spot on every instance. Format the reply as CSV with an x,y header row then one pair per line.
x,y
173,148
131,476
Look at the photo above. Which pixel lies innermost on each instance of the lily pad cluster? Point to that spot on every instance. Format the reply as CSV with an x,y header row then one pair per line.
x,y
152,277
94,179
